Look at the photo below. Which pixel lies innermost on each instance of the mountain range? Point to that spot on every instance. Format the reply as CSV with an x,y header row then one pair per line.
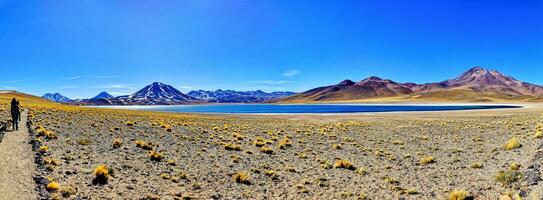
x,y
162,94
231,96
476,84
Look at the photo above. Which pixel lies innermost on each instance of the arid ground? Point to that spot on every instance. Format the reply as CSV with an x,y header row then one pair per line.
x,y
84,153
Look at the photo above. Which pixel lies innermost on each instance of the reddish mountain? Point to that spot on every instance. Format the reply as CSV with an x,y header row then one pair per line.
x,y
347,90
476,84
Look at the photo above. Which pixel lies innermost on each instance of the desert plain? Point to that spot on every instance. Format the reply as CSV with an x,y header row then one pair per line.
x,y
92,153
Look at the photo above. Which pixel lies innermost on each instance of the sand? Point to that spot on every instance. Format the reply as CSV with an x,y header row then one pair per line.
x,y
17,164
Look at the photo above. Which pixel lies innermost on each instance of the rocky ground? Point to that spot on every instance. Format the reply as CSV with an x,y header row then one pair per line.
x,y
167,156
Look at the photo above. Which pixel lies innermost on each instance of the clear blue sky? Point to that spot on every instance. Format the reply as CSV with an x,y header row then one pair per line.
x,y
82,47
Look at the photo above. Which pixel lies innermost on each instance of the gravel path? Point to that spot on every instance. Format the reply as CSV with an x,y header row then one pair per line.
x,y
17,164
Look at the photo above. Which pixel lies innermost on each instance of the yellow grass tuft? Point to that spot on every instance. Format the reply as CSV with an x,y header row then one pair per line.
x,y
267,150
508,177
345,164
514,166
235,147
427,160
458,195
155,156
117,143
476,165
44,149
241,177
101,174
512,143
52,186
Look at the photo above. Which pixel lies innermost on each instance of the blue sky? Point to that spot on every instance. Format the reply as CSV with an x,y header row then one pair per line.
x,y
79,48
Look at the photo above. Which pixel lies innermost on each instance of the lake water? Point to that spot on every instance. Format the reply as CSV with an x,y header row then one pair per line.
x,y
304,108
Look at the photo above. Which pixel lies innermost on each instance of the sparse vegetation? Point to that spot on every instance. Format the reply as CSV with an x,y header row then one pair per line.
x,y
101,174
513,143
344,164
241,177
427,160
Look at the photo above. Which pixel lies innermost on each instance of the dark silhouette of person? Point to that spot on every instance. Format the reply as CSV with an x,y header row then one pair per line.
x,y
15,113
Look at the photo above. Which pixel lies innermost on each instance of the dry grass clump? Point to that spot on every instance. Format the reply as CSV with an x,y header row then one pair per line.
x,y
241,177
345,164
476,165
144,145
67,191
427,160
117,143
508,177
155,156
52,186
512,143
266,150
459,195
336,146
235,147
101,174
539,131
514,166
84,141
51,161
259,142
44,149
285,142
397,142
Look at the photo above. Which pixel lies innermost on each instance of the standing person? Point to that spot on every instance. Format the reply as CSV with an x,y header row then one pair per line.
x,y
15,113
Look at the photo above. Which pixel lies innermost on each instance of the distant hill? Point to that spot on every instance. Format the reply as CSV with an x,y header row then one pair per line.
x,y
231,96
476,84
103,95
56,97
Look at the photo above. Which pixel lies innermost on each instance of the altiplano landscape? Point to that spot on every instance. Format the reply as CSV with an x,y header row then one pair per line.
x,y
271,100
172,156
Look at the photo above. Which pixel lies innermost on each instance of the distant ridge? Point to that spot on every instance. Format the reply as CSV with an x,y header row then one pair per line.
x,y
476,84
231,96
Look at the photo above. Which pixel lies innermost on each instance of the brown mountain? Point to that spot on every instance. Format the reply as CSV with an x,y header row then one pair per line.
x,y
346,90
476,84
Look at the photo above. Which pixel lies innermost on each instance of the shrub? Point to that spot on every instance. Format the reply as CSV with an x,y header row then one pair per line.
x,y
512,143
427,160
101,174
476,165
458,195
117,143
267,150
514,166
241,177
50,135
67,191
44,149
51,161
508,177
259,142
284,143
52,186
155,156
235,147
344,164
